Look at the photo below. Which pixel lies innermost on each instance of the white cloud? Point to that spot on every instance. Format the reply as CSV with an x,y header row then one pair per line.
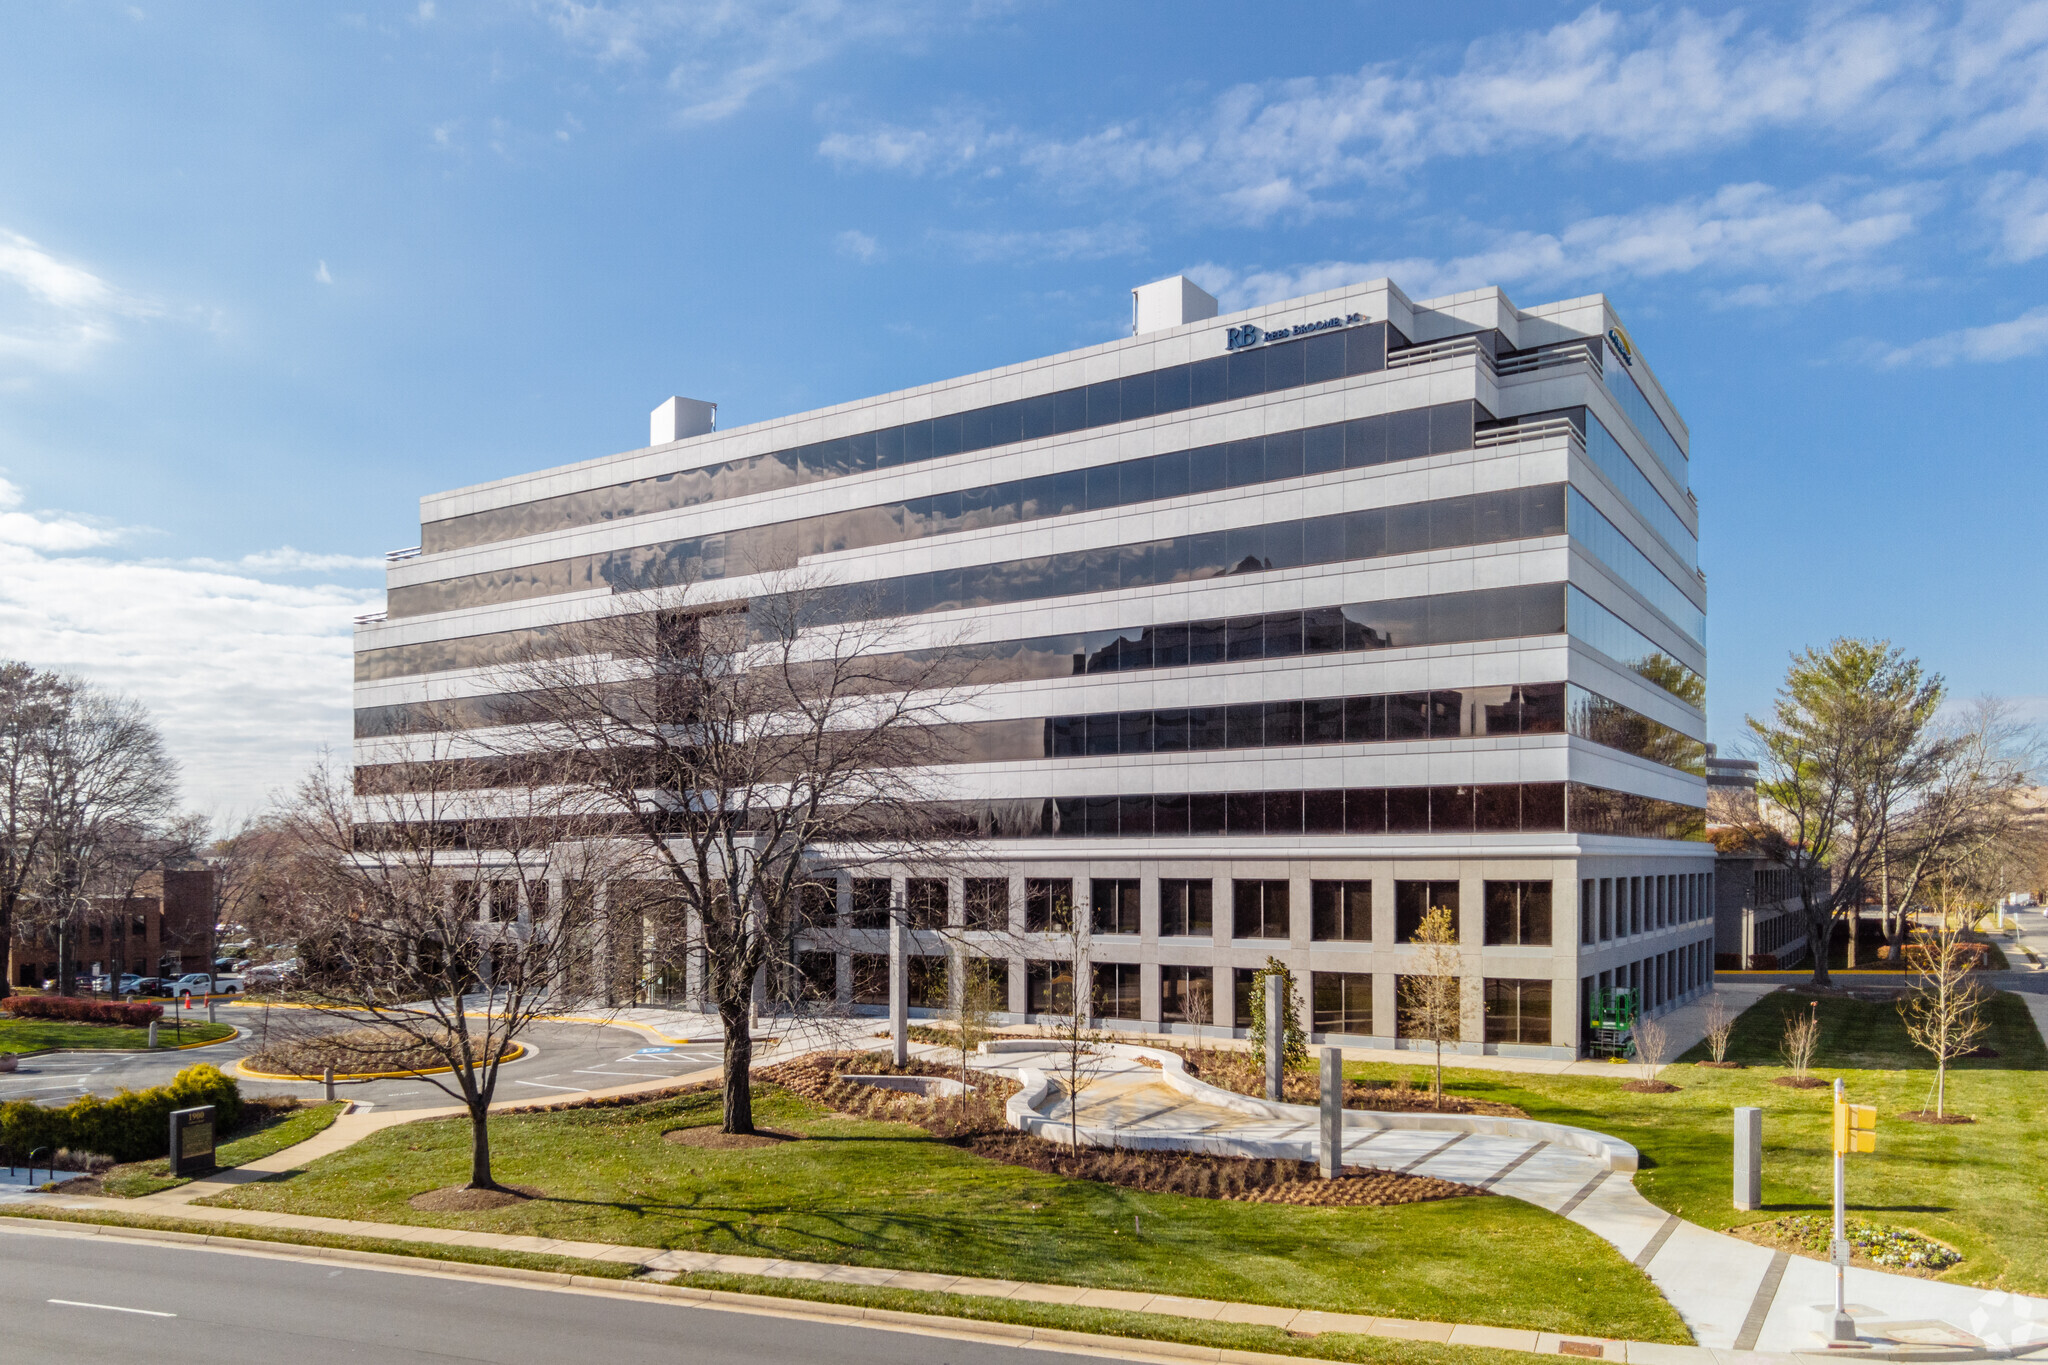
x,y
2025,335
857,246
720,55
247,678
285,559
1800,243
2018,206
1920,84
53,313
954,143
322,276
1059,244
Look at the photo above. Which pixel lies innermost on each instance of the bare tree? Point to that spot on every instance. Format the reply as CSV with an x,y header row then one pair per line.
x,y
1652,1044
31,702
1720,1027
739,747
1944,1012
976,1001
1078,1045
1432,1004
443,920
1800,1038
110,788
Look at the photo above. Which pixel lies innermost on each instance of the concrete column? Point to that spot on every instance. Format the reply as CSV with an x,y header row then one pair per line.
x,y
899,984
1331,1149
1276,1031
1749,1157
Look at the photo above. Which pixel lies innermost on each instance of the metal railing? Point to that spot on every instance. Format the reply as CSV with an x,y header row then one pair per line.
x,y
1526,431
1450,348
394,556
1580,350
371,618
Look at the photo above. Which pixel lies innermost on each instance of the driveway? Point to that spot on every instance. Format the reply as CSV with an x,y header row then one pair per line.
x,y
561,1059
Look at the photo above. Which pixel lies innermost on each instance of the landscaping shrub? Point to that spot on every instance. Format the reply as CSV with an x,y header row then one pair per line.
x,y
75,1010
131,1126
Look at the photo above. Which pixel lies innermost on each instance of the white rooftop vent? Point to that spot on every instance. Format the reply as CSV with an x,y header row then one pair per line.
x,y
1168,303
679,418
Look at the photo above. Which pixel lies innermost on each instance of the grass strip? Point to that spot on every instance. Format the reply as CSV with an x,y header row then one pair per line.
x,y
1112,1322
139,1178
427,1251
31,1035
1161,1327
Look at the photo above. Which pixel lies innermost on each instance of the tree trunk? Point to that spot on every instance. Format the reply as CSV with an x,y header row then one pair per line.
x,y
480,1146
1819,941
739,1065
1439,1073
1855,923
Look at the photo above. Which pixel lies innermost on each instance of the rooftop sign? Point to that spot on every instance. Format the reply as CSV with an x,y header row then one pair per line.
x,y
1248,335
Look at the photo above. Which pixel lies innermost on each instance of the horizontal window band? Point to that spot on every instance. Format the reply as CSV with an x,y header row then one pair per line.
x,y
1397,623
1358,444
1375,718
1175,388
1507,808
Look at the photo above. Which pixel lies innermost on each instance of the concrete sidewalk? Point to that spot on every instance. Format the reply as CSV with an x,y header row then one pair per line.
x,y
1733,1295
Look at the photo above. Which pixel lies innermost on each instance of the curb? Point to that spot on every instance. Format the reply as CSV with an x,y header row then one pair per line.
x,y
242,1068
766,1305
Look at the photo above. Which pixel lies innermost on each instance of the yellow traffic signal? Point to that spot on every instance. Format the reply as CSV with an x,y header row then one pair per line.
x,y
1855,1129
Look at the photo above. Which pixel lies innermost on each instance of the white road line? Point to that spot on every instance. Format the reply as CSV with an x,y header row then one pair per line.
x,y
600,1071
112,1308
538,1086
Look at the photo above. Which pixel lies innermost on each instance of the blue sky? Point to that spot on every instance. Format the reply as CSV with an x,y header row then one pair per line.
x,y
268,273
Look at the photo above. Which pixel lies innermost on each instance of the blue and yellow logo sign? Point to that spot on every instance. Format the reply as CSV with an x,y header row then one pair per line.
x,y
1618,339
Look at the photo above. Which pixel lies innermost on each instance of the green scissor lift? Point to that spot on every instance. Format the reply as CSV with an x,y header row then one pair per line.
x,y
1611,1031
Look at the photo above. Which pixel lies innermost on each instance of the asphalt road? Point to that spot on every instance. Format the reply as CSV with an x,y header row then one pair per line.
x,y
82,1299
561,1059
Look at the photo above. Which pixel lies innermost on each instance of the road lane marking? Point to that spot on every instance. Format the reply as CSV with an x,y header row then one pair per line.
x,y
572,1089
112,1308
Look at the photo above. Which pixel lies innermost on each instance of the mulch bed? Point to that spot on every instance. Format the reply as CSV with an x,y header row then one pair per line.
x,y
1720,1066
712,1138
1239,1072
1929,1116
358,1051
980,1127
456,1199
1254,1180
1801,1082
1650,1088
818,1078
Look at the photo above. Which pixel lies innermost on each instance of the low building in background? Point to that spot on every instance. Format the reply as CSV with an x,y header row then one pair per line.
x,y
1759,913
163,929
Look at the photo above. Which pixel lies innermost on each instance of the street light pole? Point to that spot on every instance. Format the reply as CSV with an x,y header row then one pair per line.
x,y
1843,1328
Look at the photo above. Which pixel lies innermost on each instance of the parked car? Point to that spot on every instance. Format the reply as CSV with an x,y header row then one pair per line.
x,y
197,983
148,985
271,973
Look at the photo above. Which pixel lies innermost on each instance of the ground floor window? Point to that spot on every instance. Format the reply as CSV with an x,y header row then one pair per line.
x,y
871,978
1187,995
927,982
1411,996
1517,1011
1049,987
818,975
1343,1001
1117,990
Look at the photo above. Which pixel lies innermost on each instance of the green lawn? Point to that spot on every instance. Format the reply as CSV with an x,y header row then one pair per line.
x,y
138,1178
1973,1186
29,1035
886,1194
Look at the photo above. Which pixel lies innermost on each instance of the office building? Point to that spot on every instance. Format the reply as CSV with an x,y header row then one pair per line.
x,y
1301,620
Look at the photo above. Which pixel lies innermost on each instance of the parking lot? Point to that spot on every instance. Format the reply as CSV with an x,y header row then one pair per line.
x,y
561,1059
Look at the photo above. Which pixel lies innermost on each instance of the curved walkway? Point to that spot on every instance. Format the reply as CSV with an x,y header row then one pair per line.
x,y
1733,1294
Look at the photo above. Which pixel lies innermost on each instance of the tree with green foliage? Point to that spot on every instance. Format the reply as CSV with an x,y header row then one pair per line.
x,y
1294,1043
1845,752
